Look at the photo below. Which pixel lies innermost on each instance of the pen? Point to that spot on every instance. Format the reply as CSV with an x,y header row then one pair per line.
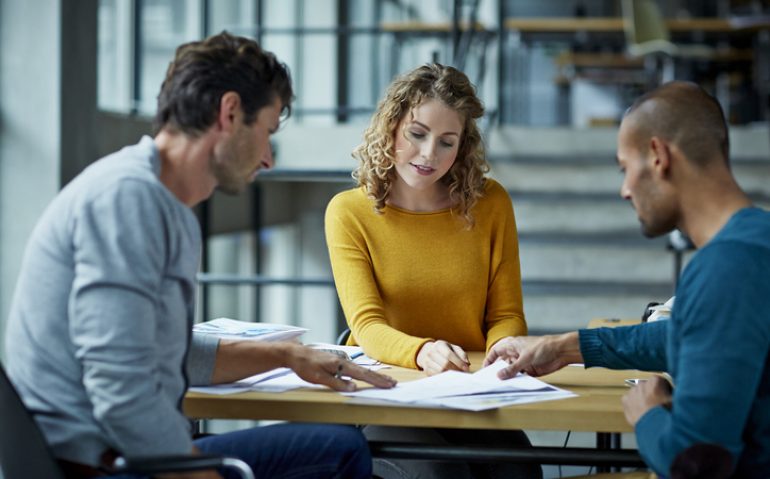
x,y
356,355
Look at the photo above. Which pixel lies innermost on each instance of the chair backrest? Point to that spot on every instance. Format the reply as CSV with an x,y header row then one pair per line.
x,y
24,452
643,22
702,461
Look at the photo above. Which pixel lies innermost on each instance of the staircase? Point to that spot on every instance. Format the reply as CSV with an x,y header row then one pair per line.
x,y
582,253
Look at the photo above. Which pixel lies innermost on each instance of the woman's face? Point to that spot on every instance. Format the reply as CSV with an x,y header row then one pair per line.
x,y
427,140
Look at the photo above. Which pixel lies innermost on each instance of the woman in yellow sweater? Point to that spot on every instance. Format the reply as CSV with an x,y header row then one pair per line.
x,y
425,252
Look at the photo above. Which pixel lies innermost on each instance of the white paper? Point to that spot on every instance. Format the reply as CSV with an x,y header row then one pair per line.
x,y
276,380
243,330
355,353
454,384
483,402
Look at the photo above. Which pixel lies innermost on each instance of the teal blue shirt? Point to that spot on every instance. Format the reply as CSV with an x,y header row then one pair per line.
x,y
715,347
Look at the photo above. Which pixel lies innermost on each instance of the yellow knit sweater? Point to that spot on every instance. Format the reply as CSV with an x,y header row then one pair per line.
x,y
405,278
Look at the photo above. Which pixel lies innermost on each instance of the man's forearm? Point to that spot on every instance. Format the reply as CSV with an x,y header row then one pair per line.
x,y
236,360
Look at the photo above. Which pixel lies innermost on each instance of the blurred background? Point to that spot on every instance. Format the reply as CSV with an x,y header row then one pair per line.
x,y
79,79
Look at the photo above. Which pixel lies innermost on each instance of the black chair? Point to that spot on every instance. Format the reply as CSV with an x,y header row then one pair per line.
x,y
702,461
342,339
24,453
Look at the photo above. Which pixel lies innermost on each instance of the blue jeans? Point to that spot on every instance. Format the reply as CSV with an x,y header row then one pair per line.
x,y
293,451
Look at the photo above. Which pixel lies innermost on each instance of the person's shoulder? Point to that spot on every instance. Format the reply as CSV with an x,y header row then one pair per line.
x,y
125,168
729,262
494,192
494,196
349,200
349,206
749,226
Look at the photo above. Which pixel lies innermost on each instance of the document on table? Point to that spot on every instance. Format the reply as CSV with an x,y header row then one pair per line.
x,y
244,330
476,392
283,379
354,353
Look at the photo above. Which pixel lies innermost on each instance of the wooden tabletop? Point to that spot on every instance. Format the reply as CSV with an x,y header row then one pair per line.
x,y
615,24
612,322
589,24
597,407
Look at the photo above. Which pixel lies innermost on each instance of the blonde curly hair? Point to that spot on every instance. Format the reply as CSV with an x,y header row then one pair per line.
x,y
376,155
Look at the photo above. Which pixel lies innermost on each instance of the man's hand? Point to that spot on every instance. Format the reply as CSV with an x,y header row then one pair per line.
x,y
647,395
328,369
535,355
438,356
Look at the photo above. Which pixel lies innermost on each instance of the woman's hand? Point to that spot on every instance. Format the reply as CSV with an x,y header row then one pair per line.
x,y
438,356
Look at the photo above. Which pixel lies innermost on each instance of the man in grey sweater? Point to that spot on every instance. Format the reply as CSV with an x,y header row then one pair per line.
x,y
99,341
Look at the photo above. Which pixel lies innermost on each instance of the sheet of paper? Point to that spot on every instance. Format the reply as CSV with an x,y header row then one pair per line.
x,y
483,402
276,380
454,383
244,330
355,353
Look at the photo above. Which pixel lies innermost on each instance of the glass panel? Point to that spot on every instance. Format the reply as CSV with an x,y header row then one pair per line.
x,y
165,24
236,16
114,55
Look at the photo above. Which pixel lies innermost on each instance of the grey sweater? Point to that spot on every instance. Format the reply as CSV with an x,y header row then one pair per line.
x,y
100,322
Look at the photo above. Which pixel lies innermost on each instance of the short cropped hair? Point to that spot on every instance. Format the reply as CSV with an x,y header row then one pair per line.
x,y
685,115
376,154
203,71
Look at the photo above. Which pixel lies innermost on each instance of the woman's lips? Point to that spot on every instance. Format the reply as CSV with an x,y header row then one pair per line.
x,y
422,170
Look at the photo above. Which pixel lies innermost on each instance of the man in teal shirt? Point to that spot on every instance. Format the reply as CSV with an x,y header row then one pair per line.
x,y
673,153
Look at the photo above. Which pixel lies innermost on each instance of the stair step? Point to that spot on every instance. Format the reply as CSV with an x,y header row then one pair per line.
x,y
596,262
555,313
596,288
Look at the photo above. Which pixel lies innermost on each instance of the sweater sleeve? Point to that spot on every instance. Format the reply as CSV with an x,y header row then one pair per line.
x,y
627,347
505,305
201,359
723,335
114,316
358,292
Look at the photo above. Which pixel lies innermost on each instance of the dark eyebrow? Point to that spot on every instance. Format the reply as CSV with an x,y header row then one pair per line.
x,y
426,127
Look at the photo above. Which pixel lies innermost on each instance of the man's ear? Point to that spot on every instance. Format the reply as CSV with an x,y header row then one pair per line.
x,y
660,156
229,111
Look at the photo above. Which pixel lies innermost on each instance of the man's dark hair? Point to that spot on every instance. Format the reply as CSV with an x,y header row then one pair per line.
x,y
205,70
684,114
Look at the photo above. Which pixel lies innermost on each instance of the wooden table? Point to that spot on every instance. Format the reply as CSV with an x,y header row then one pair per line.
x,y
612,322
597,408
615,24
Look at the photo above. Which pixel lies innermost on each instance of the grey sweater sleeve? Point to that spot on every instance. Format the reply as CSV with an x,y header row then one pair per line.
x,y
201,359
114,316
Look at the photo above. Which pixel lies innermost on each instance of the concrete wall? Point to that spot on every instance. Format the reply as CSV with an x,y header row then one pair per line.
x,y
30,68
47,121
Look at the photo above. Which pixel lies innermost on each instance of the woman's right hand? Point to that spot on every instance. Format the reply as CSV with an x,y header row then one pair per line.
x,y
438,356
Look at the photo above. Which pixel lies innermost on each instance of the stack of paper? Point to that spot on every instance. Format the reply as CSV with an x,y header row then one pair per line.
x,y
234,329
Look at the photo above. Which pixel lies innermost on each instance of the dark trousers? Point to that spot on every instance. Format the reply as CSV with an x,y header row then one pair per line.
x,y
293,451
435,469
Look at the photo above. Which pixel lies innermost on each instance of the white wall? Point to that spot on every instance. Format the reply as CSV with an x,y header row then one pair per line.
x,y
30,70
